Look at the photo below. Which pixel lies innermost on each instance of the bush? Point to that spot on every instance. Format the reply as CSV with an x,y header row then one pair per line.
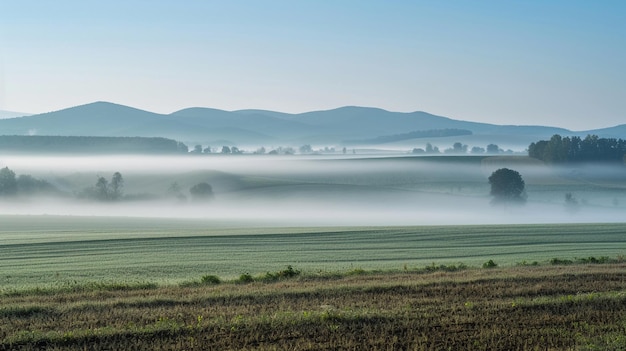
x,y
490,264
601,259
288,273
245,278
559,261
284,274
210,280
356,271
446,268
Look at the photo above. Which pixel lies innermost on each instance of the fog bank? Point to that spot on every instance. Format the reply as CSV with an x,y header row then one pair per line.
x,y
324,191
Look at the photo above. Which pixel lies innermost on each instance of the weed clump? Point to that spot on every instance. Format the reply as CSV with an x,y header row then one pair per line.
x,y
559,261
490,264
284,274
591,259
356,271
447,268
210,280
245,278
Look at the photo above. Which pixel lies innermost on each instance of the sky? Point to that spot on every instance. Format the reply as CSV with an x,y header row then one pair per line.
x,y
534,62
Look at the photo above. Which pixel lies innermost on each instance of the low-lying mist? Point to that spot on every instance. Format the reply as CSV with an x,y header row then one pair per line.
x,y
322,190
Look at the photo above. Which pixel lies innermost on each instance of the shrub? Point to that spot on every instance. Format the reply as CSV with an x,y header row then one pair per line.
x,y
245,278
559,261
602,259
289,272
284,274
443,267
356,271
490,264
210,280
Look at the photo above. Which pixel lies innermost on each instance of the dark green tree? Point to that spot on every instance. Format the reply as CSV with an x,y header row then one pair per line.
x,y
493,149
507,186
182,148
8,183
116,186
574,149
29,185
102,189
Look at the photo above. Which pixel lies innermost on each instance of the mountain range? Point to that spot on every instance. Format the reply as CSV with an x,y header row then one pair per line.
x,y
250,128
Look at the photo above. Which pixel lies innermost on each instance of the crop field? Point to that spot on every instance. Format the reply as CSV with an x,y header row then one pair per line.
x,y
48,251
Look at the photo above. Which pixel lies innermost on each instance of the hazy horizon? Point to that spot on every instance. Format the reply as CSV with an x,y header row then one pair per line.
x,y
301,191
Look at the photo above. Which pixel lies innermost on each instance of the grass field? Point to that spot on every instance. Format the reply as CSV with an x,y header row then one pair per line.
x,y
48,251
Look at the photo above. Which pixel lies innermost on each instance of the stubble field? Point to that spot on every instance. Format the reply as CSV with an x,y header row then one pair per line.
x,y
581,307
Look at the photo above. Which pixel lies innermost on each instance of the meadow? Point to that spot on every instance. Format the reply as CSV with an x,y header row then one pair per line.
x,y
50,251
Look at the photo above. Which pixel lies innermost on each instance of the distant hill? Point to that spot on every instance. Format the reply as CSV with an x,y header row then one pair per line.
x,y
11,114
618,132
250,128
432,133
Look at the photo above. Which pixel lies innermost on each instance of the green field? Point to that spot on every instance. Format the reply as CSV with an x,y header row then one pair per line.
x,y
48,251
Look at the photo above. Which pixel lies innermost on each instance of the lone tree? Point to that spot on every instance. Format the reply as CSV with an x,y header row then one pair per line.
x,y
507,186
201,192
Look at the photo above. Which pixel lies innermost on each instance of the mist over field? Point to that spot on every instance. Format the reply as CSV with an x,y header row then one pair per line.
x,y
322,190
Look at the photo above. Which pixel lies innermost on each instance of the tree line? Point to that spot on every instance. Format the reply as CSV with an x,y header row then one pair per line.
x,y
574,149
460,148
104,190
24,184
89,144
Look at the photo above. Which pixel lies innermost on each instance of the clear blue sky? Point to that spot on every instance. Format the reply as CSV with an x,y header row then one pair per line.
x,y
554,62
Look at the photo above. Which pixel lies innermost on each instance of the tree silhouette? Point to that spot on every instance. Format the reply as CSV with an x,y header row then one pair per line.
x,y
117,183
201,192
507,186
8,183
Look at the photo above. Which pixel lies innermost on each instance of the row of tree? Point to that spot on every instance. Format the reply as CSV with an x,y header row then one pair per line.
x,y
112,190
24,184
233,150
459,149
104,190
574,149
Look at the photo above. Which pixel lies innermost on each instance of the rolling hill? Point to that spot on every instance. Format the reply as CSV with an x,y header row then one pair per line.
x,y
249,128
11,114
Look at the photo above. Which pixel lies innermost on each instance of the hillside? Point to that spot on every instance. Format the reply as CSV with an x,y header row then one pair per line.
x,y
11,114
249,128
